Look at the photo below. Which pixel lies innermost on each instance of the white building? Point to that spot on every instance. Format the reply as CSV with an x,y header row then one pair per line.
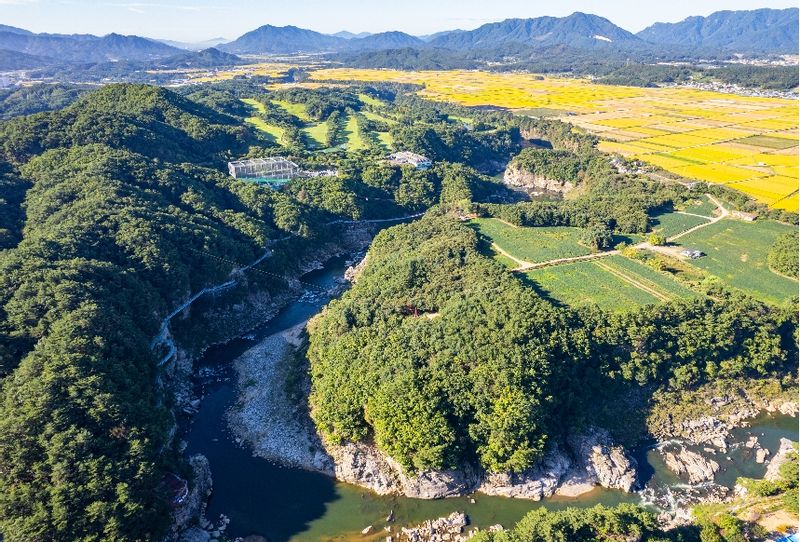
x,y
408,158
265,169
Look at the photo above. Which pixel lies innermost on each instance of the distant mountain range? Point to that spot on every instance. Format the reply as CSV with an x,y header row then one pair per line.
x,y
724,32
760,30
195,45
576,30
83,47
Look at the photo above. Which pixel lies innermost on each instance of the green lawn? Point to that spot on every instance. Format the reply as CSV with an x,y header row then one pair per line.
x,y
736,252
298,110
532,244
386,139
258,106
366,99
378,118
669,224
274,133
316,135
354,141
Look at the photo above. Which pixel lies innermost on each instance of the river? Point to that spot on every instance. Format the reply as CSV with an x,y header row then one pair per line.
x,y
285,504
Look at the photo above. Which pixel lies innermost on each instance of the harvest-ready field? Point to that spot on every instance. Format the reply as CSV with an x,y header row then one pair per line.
x,y
736,252
748,143
532,245
613,283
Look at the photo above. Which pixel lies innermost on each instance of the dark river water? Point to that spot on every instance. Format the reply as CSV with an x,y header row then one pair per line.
x,y
284,504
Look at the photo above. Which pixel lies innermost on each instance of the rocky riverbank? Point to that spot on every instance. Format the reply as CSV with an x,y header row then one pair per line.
x,y
276,425
229,320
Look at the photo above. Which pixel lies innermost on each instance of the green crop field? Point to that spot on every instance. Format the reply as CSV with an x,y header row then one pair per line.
x,y
298,110
316,135
736,252
532,244
669,224
585,283
661,283
700,206
768,141
613,283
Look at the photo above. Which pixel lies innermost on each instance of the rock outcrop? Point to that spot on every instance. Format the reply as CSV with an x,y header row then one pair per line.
x,y
363,464
780,457
447,529
520,178
192,507
604,463
691,465
535,483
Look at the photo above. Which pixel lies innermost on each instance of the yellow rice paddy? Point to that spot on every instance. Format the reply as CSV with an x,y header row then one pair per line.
x,y
693,133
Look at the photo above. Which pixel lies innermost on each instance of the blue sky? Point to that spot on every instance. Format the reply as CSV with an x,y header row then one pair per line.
x,y
202,19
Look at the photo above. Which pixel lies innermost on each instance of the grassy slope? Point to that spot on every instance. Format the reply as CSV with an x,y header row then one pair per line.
x,y
275,132
298,110
315,135
736,252
354,141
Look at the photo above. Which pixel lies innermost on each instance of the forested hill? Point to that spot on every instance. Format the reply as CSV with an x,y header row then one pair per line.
x,y
152,121
104,227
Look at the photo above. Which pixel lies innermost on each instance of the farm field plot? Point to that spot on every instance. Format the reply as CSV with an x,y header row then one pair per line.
x,y
701,206
736,252
698,134
669,224
532,244
613,283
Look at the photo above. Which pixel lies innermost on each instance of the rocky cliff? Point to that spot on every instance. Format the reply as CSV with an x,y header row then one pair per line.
x,y
521,178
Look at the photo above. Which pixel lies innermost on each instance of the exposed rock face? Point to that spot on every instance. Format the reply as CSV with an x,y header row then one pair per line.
x,y
692,465
605,464
536,483
352,273
192,507
597,462
780,457
515,176
706,430
365,465
450,528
